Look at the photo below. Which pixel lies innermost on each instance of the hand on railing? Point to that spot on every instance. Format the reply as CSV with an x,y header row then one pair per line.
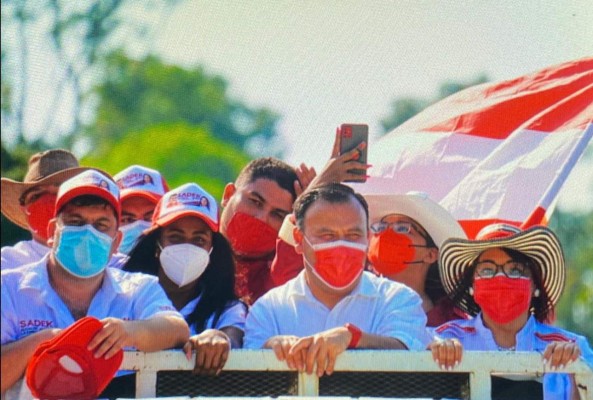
x,y
560,354
446,353
212,350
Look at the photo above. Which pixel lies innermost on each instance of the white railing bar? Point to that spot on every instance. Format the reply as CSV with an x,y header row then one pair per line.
x,y
529,363
479,364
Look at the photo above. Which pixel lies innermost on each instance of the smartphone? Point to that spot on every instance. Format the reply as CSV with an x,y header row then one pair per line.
x,y
351,135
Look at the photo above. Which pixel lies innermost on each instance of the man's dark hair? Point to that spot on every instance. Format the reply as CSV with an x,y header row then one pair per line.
x,y
269,168
88,200
332,193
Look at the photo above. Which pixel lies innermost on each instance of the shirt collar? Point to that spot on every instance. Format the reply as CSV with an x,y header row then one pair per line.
x,y
36,277
365,287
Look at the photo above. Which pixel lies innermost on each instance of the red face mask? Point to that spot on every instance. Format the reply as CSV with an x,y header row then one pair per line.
x,y
502,299
249,236
39,213
338,264
391,252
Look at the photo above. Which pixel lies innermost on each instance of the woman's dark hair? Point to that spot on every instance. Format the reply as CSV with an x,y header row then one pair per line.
x,y
216,285
433,286
541,306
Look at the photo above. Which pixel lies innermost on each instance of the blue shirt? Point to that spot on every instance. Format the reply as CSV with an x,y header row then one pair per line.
x,y
534,336
30,304
233,315
376,305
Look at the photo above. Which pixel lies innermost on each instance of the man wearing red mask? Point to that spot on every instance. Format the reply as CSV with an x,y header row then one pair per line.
x,y
254,208
30,204
333,305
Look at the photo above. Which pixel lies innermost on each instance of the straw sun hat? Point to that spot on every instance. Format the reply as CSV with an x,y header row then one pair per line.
x,y
51,167
538,242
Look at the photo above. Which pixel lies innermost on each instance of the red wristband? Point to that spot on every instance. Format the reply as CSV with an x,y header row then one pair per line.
x,y
356,335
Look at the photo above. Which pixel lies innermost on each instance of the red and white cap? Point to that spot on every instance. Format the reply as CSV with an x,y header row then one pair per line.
x,y
90,182
137,180
186,200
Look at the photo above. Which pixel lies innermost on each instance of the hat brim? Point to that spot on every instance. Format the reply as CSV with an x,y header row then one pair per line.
x,y
13,190
89,190
174,216
128,193
435,220
539,243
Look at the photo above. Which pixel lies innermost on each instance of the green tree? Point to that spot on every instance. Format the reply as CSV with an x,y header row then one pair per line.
x,y
139,93
574,309
181,152
74,37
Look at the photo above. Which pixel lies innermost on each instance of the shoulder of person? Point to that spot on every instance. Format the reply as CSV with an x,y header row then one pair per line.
x,y
131,280
459,327
386,286
549,333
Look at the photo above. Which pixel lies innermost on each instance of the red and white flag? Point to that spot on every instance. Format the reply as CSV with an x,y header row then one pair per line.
x,y
493,152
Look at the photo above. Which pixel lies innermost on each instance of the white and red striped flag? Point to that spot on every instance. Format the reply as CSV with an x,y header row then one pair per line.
x,y
493,152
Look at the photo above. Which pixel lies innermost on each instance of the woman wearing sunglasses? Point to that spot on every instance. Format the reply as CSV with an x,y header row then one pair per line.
x,y
510,280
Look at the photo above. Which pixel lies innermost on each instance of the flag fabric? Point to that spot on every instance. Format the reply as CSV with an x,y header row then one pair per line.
x,y
496,152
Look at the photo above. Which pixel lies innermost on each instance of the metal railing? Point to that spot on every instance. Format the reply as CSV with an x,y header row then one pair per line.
x,y
477,366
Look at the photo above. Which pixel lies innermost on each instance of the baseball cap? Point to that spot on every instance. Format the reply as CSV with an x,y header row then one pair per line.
x,y
90,182
137,180
186,200
63,368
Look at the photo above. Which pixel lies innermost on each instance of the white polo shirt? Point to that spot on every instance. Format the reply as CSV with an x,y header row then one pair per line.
x,y
24,252
534,336
377,306
30,304
233,315
30,251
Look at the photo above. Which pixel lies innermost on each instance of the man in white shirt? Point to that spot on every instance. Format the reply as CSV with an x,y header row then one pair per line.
x,y
30,204
72,281
333,305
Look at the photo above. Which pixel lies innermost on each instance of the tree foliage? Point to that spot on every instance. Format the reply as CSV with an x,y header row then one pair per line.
x,y
74,37
181,152
136,94
574,309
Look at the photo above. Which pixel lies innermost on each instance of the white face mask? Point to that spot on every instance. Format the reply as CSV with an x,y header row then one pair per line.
x,y
184,263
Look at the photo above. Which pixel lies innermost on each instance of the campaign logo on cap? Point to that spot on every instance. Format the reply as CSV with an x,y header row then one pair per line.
x,y
137,180
90,182
63,367
186,200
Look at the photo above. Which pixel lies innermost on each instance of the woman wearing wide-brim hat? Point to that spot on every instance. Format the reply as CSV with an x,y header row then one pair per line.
x,y
510,280
407,231
30,204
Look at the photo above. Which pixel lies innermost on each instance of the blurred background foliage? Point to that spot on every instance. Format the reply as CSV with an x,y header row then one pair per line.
x,y
122,110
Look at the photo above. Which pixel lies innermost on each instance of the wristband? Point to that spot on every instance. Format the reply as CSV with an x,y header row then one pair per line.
x,y
356,335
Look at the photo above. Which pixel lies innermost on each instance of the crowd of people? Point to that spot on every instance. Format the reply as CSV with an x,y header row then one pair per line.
x,y
296,262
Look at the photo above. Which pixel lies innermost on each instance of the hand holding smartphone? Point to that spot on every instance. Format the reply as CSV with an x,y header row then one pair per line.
x,y
351,136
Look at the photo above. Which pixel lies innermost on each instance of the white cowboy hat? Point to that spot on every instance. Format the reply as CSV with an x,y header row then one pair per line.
x,y
435,220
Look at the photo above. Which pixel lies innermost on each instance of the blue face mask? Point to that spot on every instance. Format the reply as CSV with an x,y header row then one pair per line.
x,y
131,233
83,251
